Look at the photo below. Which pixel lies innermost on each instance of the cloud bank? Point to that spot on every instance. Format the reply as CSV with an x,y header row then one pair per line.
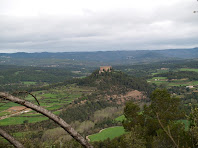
x,y
97,25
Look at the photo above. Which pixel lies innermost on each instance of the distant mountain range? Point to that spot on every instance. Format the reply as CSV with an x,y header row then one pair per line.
x,y
103,57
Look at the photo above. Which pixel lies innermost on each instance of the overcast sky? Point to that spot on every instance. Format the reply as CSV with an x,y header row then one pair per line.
x,y
97,25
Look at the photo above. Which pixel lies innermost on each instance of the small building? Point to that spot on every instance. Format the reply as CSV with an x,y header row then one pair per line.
x,y
105,68
189,86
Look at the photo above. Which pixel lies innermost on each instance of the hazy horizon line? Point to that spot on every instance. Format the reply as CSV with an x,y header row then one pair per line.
x,y
98,51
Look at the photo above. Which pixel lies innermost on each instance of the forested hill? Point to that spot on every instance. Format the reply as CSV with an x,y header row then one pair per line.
x,y
100,57
115,82
111,90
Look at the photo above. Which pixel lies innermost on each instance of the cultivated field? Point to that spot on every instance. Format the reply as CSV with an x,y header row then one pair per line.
x,y
176,82
52,99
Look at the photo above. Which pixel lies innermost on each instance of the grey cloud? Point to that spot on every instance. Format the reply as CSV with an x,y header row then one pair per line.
x,y
116,29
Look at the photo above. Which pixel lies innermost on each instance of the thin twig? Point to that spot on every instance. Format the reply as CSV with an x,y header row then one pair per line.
x,y
29,94
167,132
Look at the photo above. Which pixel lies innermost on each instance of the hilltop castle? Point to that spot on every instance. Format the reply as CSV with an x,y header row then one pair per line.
x,y
105,68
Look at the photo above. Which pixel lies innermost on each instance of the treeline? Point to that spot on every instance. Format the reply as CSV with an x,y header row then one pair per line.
x,y
17,78
145,69
35,74
191,75
191,98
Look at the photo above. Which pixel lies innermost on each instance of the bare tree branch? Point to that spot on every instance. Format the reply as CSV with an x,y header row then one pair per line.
x,y
29,94
50,115
167,132
11,139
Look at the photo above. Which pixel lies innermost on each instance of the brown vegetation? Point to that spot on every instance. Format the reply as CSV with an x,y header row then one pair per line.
x,y
130,95
16,108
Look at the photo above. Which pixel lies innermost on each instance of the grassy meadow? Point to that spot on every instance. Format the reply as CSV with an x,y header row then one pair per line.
x,y
120,118
110,132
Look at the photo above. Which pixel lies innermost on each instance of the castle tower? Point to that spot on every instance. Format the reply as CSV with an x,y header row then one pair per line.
x,y
105,68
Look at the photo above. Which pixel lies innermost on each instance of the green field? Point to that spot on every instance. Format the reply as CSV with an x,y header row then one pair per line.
x,y
178,82
29,83
111,133
186,123
53,100
22,134
161,78
4,113
54,107
20,120
120,118
18,72
183,83
189,69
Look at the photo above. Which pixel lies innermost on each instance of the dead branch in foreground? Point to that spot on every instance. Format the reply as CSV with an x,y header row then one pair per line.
x,y
167,132
11,139
50,115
